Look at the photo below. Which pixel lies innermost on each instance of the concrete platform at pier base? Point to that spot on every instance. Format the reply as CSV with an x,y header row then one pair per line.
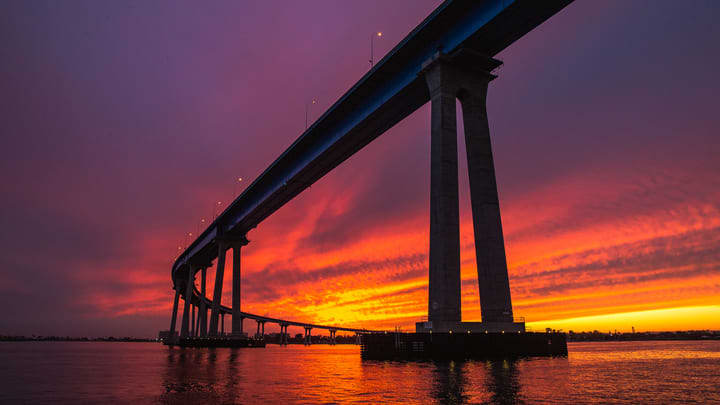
x,y
219,341
461,345
472,327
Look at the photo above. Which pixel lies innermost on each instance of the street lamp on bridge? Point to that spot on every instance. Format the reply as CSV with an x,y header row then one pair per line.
x,y
307,109
236,187
372,39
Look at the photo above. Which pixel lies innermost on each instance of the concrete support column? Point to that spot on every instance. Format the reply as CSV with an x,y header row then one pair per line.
x,y
284,335
192,319
493,283
262,330
203,306
185,327
197,323
465,74
237,318
174,313
257,333
444,260
206,320
222,325
308,338
332,337
217,294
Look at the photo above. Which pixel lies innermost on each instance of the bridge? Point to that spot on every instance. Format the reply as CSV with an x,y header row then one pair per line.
x,y
448,56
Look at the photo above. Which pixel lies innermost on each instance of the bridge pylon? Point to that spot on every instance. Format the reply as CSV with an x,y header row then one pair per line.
x,y
217,290
464,75
202,330
237,319
185,329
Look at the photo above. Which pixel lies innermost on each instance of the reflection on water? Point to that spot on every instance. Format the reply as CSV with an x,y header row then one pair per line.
x,y
618,372
449,382
504,384
453,385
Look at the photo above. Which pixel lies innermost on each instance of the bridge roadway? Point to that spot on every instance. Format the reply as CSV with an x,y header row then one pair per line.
x,y
390,91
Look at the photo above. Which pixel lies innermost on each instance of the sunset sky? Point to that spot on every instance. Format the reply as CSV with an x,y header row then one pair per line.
x,y
124,123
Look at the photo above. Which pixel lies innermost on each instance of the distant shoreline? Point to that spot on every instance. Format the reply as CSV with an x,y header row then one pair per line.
x,y
596,336
72,339
572,336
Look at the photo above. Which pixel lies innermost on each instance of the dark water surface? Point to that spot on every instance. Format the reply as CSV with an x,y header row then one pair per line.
x,y
615,372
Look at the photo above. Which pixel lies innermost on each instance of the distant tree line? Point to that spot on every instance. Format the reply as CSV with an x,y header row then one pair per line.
x,y
595,335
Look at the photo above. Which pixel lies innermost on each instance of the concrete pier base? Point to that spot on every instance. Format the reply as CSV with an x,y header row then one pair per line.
x,y
459,346
472,327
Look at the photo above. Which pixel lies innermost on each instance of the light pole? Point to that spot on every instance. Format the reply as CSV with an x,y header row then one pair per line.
x,y
200,225
372,38
235,189
307,109
215,209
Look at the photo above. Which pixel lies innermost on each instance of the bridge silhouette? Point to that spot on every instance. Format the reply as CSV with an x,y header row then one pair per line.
x,y
447,57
